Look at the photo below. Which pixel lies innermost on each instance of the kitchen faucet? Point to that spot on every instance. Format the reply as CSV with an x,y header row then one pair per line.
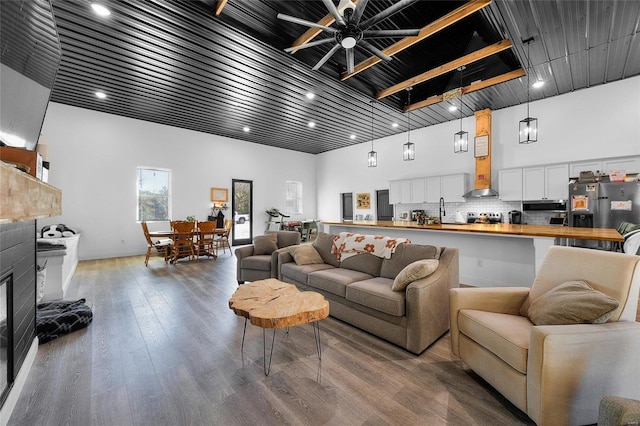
x,y
441,209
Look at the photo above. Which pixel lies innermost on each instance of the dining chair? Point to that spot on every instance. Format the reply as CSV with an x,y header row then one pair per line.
x,y
206,238
222,240
162,246
183,244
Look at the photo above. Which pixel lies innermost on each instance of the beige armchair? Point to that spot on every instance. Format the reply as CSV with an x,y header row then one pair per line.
x,y
556,374
260,260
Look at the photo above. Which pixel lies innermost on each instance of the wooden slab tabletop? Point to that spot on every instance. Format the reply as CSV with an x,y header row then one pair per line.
x,y
272,303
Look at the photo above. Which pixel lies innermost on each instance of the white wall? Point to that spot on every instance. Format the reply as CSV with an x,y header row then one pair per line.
x,y
600,122
94,157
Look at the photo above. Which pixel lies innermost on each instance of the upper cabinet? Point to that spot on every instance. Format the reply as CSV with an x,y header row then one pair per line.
x,y
400,192
625,164
433,189
545,183
584,166
419,190
510,181
453,187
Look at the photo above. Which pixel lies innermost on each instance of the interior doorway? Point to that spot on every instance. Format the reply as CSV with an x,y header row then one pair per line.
x,y
242,208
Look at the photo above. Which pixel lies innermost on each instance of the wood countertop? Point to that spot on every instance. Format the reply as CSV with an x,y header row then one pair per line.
x,y
600,234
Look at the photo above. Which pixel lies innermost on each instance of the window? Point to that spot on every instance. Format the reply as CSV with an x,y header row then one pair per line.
x,y
294,197
154,196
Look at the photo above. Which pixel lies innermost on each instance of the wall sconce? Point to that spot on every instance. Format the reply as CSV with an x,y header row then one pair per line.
x,y
409,148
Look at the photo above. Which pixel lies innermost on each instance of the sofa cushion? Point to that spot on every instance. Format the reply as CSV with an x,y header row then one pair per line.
x,y
300,273
322,244
406,254
506,336
335,280
414,271
363,262
265,244
376,293
305,255
261,262
572,302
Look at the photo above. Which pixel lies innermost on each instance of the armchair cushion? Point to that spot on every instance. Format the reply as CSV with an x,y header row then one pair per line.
x,y
265,244
414,271
572,302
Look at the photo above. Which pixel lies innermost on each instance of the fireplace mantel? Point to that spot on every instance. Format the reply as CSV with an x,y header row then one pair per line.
x,y
23,197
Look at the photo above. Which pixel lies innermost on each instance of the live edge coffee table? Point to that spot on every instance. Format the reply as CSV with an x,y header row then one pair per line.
x,y
274,304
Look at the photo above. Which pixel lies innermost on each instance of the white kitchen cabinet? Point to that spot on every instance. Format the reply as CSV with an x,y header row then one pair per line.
x,y
584,166
510,181
400,191
419,190
453,187
545,183
627,165
433,189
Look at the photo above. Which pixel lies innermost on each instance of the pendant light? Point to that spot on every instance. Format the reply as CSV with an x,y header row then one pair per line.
x,y
528,126
409,148
372,158
461,138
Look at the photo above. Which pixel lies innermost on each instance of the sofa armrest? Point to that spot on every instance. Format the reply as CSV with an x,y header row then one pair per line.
x,y
275,260
570,368
504,300
284,256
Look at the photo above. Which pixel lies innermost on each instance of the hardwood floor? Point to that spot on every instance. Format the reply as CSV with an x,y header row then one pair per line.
x,y
164,349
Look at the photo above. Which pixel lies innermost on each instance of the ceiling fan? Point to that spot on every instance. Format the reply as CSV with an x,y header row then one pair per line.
x,y
350,32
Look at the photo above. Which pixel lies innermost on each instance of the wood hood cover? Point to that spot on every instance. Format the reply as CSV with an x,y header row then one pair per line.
x,y
482,181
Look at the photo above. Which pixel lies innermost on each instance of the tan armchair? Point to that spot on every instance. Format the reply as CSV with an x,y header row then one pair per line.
x,y
556,374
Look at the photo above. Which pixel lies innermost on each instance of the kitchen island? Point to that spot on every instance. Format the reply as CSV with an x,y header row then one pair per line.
x,y
490,254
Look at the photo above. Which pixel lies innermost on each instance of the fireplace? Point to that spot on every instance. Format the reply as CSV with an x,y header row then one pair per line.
x,y
6,324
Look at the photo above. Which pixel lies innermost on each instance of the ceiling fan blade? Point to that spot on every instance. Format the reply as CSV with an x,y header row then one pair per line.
x,y
310,44
326,57
350,60
389,33
386,13
306,23
334,11
374,50
357,14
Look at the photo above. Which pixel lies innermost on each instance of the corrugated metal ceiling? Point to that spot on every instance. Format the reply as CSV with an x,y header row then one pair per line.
x,y
174,62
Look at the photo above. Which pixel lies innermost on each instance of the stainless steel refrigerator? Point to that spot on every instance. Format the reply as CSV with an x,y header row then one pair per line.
x,y
602,205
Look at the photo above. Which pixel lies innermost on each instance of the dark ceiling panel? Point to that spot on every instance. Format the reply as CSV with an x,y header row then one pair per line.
x,y
173,62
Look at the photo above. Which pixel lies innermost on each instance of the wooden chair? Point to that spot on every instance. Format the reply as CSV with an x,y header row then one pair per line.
x,y
183,245
206,238
222,240
163,246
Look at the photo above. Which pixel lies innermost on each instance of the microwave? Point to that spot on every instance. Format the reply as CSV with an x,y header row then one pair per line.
x,y
544,205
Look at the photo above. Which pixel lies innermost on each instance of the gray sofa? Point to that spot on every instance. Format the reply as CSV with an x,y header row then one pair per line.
x,y
359,290
258,261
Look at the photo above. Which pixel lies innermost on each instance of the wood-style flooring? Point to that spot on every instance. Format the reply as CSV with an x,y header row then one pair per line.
x,y
164,349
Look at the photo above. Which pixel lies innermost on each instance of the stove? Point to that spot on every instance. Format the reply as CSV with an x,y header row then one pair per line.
x,y
492,217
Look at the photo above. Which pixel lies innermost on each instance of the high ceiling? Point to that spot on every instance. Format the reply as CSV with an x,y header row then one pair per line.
x,y
177,63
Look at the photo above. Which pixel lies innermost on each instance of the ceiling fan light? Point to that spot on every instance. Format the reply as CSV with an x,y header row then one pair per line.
x,y
348,42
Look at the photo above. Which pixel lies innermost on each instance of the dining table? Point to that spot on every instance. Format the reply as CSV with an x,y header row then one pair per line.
x,y
169,234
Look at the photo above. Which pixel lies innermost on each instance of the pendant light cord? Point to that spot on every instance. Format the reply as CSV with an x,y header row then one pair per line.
x,y
461,68
409,89
372,125
528,76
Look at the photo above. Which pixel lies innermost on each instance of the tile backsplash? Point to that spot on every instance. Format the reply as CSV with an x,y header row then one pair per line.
x,y
481,205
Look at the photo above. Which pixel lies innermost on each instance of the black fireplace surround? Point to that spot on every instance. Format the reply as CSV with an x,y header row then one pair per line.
x,y
18,270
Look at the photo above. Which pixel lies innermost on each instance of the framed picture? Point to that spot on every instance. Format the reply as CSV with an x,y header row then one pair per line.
x,y
481,146
363,200
219,195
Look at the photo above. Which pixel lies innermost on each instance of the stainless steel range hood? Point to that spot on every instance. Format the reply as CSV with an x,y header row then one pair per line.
x,y
481,193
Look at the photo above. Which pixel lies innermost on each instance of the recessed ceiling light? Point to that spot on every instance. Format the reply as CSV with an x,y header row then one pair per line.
x,y
246,129
352,136
452,108
310,95
311,124
100,10
538,84
101,95
394,125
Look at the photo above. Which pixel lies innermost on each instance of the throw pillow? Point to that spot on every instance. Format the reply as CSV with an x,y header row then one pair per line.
x,y
305,255
572,302
414,271
265,244
322,244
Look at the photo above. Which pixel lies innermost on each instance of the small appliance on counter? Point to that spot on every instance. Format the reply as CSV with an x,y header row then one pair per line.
x,y
490,217
515,217
416,213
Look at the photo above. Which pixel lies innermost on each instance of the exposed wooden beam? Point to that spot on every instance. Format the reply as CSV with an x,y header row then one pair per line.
x,y
311,33
448,67
427,31
470,88
219,6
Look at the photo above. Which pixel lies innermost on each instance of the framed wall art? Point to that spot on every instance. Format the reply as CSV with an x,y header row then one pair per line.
x,y
363,200
219,195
